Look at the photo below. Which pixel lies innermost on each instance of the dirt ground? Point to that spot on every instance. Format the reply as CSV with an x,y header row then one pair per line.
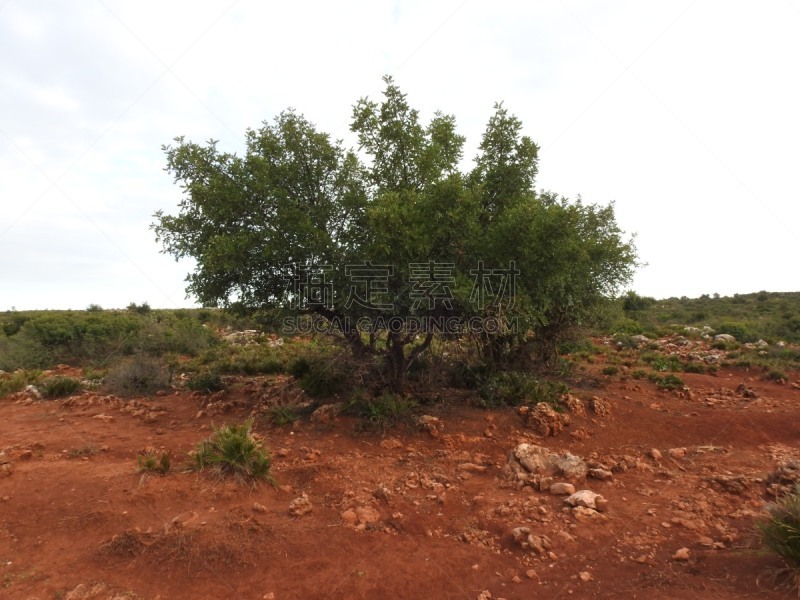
x,y
415,513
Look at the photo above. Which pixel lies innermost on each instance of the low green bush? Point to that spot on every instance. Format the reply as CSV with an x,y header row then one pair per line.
x,y
384,412
206,382
59,387
16,381
154,462
232,450
780,532
138,375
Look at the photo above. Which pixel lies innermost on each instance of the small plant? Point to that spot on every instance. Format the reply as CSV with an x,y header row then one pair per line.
x,y
385,411
611,370
693,367
138,375
59,387
668,382
151,461
206,382
16,381
775,375
639,374
82,451
282,414
232,450
322,377
780,533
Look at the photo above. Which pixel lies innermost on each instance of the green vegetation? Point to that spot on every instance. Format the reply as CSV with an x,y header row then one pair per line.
x,y
138,375
384,412
59,387
206,382
780,532
400,214
281,415
747,317
232,450
153,461
16,381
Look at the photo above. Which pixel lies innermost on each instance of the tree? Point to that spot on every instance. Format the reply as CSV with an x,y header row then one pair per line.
x,y
378,242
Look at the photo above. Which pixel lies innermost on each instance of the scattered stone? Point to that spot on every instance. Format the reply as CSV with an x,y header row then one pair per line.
x,y
525,539
563,537
26,454
601,474
655,454
586,498
543,419
677,452
300,506
327,413
367,515
531,574
704,540
724,337
583,514
585,576
31,391
599,407
260,508
682,554
574,405
471,468
349,517
527,462
562,489
433,425
391,444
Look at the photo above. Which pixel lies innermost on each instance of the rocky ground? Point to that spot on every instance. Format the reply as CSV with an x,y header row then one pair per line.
x,y
634,492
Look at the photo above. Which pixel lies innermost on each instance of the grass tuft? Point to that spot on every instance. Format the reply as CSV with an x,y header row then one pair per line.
x,y
232,450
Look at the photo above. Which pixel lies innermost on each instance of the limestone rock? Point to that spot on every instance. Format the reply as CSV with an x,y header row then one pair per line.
x,y
543,419
327,413
599,406
562,489
300,506
585,498
433,425
529,461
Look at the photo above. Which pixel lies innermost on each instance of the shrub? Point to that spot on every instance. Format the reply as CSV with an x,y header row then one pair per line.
x,y
282,414
154,462
325,377
667,382
511,388
693,367
138,375
385,411
232,450
610,370
740,331
780,531
58,387
639,374
775,375
16,381
206,381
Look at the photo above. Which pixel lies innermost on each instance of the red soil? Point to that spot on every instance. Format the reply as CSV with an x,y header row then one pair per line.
x,y
74,509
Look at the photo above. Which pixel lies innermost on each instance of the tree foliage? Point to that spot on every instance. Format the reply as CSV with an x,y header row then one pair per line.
x,y
396,231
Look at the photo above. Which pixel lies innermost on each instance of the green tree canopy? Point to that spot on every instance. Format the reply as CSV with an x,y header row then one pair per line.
x,y
395,231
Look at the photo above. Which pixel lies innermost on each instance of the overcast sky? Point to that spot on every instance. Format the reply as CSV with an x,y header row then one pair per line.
x,y
683,113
